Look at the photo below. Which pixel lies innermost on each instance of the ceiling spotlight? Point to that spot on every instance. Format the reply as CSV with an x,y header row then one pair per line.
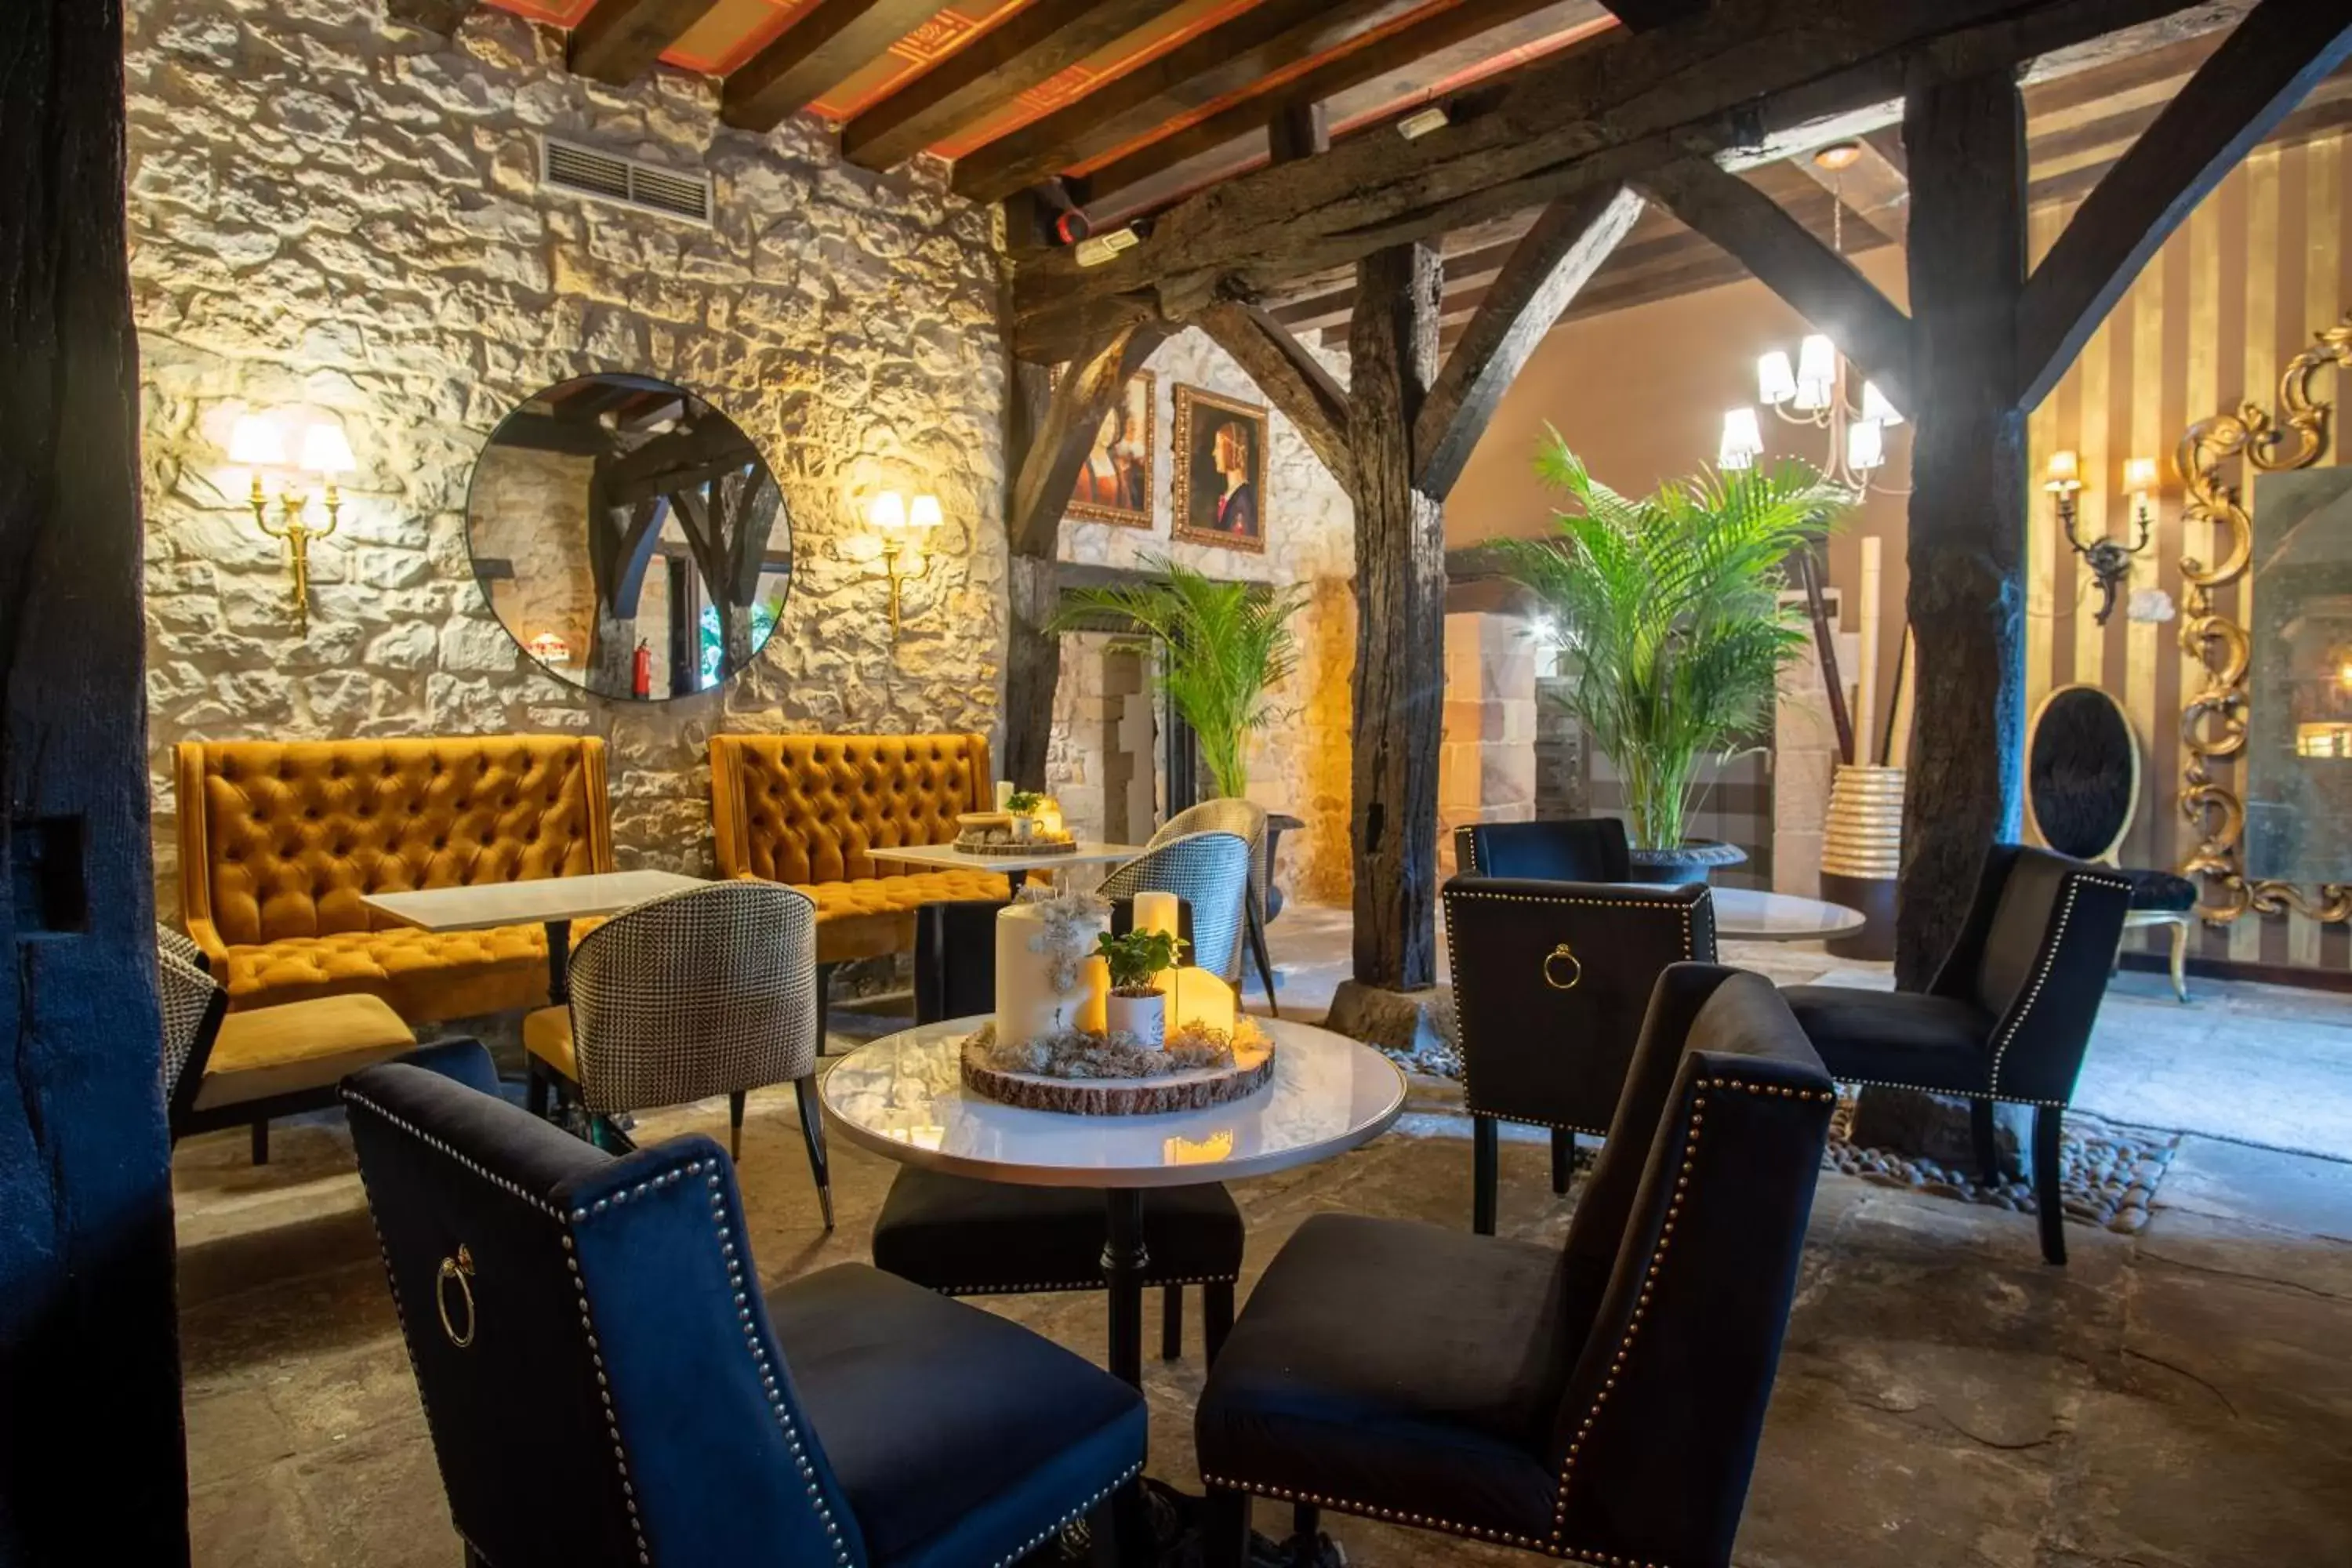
x,y
1838,156
1095,249
1421,122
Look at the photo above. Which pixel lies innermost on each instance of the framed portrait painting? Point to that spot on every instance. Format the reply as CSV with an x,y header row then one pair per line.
x,y
1220,479
1115,481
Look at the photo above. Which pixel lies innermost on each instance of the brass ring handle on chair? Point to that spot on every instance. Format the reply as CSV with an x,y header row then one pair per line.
x,y
461,1270
1575,972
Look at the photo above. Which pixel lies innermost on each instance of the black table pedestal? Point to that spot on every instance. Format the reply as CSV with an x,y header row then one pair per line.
x,y
1123,1261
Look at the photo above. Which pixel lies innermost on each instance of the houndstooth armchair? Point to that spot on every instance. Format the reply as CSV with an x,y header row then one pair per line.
x,y
1211,872
1248,818
712,991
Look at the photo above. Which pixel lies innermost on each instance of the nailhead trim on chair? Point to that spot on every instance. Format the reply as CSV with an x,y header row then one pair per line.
x,y
1097,1283
1954,1093
2049,961
1554,1546
1682,909
1067,1519
352,1097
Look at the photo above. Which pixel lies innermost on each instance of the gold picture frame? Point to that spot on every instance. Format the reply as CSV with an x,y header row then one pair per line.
x,y
1117,488
1209,434
2213,716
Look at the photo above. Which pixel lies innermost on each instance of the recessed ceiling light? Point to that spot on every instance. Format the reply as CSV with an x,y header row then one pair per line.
x,y
1421,122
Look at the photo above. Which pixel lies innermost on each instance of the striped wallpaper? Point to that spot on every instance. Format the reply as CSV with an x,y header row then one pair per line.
x,y
2239,290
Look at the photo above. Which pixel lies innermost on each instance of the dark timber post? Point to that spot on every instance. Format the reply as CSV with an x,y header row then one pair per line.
x,y
1966,143
89,1380
1399,683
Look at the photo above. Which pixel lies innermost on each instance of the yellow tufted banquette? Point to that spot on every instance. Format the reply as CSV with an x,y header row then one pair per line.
x,y
280,841
806,810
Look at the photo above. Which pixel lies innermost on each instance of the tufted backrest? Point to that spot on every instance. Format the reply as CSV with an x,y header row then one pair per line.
x,y
807,808
283,839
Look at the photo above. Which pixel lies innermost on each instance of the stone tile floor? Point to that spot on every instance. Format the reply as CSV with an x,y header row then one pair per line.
x,y
2179,1398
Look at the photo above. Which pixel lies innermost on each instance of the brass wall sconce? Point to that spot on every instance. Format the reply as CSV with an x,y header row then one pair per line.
x,y
258,443
902,526
2108,558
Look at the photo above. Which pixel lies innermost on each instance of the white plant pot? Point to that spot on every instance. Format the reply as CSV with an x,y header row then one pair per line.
x,y
1145,1017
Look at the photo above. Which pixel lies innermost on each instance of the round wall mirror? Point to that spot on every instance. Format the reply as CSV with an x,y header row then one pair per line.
x,y
629,537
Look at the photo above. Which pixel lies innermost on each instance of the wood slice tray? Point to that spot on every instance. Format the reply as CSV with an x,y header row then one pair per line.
x,y
1196,1089
1035,847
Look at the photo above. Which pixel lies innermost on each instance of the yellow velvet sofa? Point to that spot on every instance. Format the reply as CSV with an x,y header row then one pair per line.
x,y
808,810
281,840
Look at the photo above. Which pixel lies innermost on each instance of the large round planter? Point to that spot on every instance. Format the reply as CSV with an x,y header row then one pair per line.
x,y
1694,861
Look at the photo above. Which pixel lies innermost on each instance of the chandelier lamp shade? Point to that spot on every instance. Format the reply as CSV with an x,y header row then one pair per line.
x,y
1817,388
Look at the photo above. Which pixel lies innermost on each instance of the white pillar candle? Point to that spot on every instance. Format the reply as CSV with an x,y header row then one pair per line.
x,y
1004,794
1196,997
1156,911
1094,1015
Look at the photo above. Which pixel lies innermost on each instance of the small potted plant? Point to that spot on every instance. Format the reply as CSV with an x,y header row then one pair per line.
x,y
1135,1006
1022,804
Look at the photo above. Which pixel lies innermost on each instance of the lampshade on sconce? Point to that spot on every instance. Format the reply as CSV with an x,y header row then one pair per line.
x,y
891,516
1743,439
258,442
2139,475
2064,474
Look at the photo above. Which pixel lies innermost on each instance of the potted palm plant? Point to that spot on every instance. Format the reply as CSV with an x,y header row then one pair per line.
x,y
1223,647
1669,608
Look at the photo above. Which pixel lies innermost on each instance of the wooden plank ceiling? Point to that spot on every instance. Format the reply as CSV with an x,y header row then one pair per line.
x,y
1124,107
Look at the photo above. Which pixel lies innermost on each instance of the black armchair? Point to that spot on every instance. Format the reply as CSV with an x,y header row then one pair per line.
x,y
2005,1019
963,1236
1552,980
1578,849
1599,1402
606,1384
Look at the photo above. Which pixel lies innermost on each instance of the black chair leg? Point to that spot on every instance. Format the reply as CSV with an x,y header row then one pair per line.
x,y
1264,959
1134,1544
534,1087
475,1559
1486,1154
1225,1529
1563,1159
824,1008
735,1124
261,1141
1988,1147
1216,1317
813,1131
1306,1525
1172,1322
2047,1125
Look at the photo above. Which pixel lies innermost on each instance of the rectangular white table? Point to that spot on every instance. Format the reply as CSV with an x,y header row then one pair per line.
x,y
551,901
948,858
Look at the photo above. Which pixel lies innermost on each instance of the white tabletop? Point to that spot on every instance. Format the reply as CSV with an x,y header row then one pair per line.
x,y
532,902
948,858
903,1097
1751,914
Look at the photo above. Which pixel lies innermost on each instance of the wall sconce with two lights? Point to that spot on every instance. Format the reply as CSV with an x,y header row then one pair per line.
x,y
259,442
903,526
2108,558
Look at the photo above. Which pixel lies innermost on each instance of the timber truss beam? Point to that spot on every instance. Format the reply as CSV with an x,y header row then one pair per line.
x,y
1745,80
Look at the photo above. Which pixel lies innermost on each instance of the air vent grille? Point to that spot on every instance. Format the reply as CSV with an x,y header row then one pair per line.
x,y
628,181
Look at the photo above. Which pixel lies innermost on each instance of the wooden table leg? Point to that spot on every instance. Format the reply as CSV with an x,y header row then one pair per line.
x,y
558,961
1124,1259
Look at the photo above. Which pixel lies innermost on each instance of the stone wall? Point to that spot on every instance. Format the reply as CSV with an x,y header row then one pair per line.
x,y
1300,765
329,212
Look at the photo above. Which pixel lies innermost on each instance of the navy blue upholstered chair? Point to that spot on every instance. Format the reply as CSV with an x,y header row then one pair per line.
x,y
2007,1017
963,1236
1599,1401
606,1383
1575,849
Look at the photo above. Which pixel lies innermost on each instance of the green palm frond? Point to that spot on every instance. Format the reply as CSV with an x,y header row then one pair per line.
x,y
1223,646
1670,608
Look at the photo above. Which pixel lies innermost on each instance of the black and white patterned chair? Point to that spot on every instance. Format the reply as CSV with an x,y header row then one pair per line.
x,y
1209,872
1248,818
712,991
2007,1017
1599,1401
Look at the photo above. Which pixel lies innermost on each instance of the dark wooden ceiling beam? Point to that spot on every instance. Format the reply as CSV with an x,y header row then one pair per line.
x,y
1824,287
1388,50
618,40
1594,113
1643,15
823,48
1873,188
1293,379
1057,448
1030,48
1226,58
2282,50
1553,260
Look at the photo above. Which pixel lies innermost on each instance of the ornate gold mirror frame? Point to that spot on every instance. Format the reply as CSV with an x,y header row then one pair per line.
x,y
2213,720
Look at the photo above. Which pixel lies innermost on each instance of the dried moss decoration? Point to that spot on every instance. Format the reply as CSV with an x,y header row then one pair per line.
x,y
1076,1055
1062,942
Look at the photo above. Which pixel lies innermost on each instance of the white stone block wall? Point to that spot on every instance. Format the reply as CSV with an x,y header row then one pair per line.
x,y
1486,764
330,213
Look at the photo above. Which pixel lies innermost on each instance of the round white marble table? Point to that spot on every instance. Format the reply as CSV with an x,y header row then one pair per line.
x,y
903,1097
1751,914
